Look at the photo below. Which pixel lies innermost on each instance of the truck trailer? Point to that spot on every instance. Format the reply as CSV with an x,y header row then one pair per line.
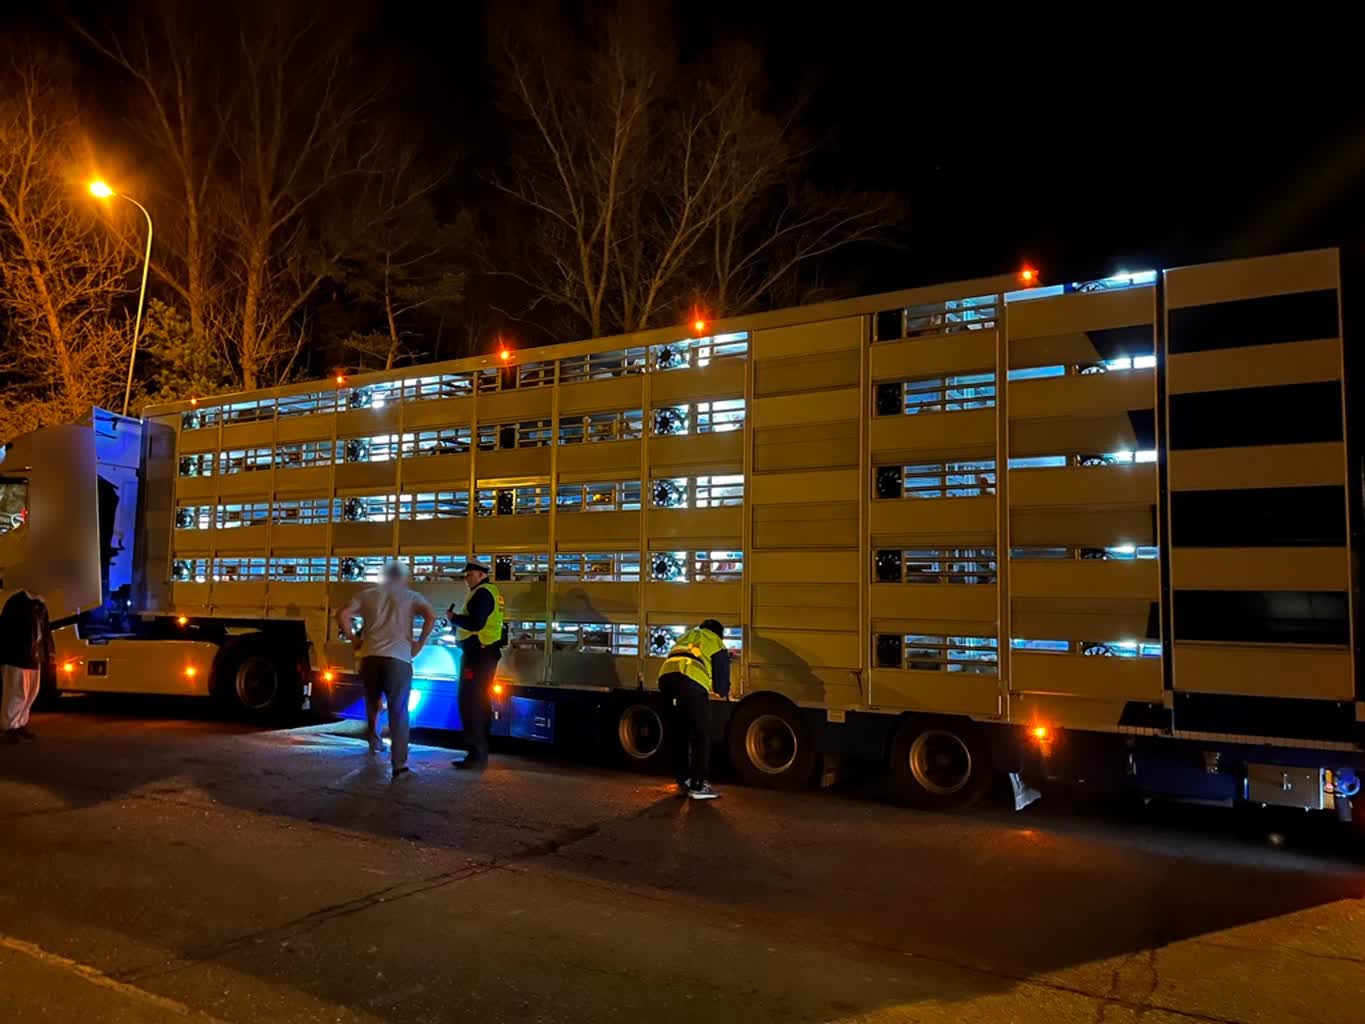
x,y
1099,530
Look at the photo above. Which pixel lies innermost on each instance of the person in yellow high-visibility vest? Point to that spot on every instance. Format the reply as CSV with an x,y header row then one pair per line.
x,y
479,631
697,666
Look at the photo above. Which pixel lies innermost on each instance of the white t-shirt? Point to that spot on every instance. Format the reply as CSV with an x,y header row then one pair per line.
x,y
386,622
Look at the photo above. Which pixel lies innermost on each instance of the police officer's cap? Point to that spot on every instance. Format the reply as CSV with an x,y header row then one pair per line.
x,y
475,567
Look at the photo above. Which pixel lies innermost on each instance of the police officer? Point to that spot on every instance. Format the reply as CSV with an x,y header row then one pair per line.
x,y
479,631
697,666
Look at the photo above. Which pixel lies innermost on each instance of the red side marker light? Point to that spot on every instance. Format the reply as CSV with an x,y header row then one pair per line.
x,y
341,379
1028,276
699,326
504,354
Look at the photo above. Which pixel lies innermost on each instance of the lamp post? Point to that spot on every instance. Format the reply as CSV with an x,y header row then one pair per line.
x,y
100,190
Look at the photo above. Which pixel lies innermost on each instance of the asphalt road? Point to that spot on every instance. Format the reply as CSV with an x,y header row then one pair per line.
x,y
165,867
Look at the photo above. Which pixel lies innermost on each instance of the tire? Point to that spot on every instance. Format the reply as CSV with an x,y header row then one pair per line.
x,y
641,735
254,682
940,764
770,746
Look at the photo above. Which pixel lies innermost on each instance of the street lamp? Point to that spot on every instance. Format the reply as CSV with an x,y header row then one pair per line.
x,y
100,189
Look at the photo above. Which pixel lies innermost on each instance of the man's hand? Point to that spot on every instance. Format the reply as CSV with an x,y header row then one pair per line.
x,y
417,646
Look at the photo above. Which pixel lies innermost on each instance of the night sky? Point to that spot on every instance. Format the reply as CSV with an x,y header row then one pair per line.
x,y
1080,141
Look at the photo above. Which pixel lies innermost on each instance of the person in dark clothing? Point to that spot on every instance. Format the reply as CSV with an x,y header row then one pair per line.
x,y
479,630
25,647
697,666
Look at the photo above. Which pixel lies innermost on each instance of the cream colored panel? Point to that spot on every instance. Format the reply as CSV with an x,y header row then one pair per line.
x,y
204,440
965,522
601,460
1254,366
300,539
795,410
188,488
305,428
1264,670
241,539
189,596
523,667
524,600
601,395
437,472
803,648
1260,568
814,446
290,600
954,602
243,486
1281,465
946,693
799,488
1075,435
844,617
1083,395
1092,528
1064,712
829,524
362,537
1081,619
723,378
438,412
357,422
717,527
588,669
519,463
973,352
596,602
832,687
244,594
307,481
1080,312
367,475
1136,579
1253,278
1096,677
1083,485
594,531
248,435
821,336
694,600
512,533
698,454
191,543
793,566
431,536
946,435
816,372
518,405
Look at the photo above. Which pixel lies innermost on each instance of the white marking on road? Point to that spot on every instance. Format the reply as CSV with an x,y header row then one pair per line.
x,y
97,977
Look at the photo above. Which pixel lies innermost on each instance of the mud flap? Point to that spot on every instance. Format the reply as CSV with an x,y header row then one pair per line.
x,y
1023,793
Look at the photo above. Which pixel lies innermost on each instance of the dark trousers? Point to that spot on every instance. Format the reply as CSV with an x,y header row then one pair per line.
x,y
691,707
478,664
391,679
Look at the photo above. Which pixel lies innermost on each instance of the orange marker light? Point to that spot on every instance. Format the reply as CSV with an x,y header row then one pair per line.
x,y
504,354
497,689
699,326
194,401
1028,275
341,378
328,676
182,620
69,667
1040,733
191,671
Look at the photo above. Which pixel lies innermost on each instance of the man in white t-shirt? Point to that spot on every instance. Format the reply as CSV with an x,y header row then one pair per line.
x,y
385,647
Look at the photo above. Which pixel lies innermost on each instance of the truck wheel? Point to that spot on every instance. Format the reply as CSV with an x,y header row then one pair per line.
x,y
640,735
256,683
770,746
940,763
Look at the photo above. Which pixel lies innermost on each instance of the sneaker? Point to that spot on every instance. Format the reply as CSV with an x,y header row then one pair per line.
x,y
26,733
401,770
471,764
376,745
684,788
703,792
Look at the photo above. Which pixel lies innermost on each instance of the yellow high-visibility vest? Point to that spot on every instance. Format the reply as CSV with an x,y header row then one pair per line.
x,y
492,629
691,655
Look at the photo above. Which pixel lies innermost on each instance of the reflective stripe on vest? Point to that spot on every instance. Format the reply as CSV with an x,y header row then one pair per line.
x,y
492,629
691,656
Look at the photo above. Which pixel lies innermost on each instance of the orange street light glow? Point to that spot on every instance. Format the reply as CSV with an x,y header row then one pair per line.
x,y
100,189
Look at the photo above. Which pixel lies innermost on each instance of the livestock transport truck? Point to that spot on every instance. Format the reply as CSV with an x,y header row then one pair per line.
x,y
1099,531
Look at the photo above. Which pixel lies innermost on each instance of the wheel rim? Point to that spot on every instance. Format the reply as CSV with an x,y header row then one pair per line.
x,y
771,744
940,762
257,683
640,731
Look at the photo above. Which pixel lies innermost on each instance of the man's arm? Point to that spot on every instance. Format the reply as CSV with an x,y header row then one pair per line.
x,y
720,672
421,606
480,607
346,619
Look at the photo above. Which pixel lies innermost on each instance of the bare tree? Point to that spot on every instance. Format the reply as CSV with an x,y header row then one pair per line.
x,y
64,274
652,184
253,152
